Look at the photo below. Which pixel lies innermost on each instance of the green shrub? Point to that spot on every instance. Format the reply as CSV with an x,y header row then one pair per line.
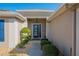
x,y
43,42
44,39
50,50
25,36
25,30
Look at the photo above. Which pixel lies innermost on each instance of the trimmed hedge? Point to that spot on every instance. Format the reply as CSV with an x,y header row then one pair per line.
x,y
44,39
50,50
44,42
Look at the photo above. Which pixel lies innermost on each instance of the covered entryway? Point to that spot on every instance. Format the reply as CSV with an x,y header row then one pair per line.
x,y
38,27
36,16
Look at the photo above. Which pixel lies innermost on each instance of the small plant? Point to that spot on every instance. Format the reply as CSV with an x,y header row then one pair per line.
x,y
50,50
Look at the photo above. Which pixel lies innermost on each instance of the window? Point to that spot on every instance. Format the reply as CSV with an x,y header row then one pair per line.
x,y
1,30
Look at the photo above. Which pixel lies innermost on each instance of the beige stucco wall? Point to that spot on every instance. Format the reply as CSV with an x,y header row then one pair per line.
x,y
48,30
77,31
61,32
23,24
13,32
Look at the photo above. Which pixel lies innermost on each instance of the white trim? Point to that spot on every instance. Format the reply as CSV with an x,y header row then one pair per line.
x,y
32,30
36,10
36,17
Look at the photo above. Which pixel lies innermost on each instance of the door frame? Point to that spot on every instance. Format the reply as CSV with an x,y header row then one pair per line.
x,y
32,30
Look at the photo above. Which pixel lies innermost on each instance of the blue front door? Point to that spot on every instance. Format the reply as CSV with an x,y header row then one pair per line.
x,y
36,30
1,30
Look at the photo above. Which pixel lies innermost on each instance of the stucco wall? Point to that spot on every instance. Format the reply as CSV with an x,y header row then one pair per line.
x,y
77,31
61,32
13,33
23,24
48,34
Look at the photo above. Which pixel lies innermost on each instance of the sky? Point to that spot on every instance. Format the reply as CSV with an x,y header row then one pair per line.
x,y
28,6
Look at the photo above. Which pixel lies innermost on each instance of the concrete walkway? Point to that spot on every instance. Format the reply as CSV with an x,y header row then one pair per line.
x,y
33,48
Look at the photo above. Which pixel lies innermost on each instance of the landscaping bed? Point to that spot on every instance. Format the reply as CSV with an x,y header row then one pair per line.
x,y
48,48
25,37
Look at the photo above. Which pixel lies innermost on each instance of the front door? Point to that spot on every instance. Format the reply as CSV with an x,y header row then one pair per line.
x,y
36,31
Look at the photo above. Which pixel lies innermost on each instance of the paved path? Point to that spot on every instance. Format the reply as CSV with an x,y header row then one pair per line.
x,y
34,48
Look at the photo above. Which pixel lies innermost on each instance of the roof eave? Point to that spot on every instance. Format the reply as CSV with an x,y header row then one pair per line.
x,y
19,16
64,8
54,13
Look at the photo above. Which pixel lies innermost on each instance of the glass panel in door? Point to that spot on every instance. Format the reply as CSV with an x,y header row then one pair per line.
x,y
37,31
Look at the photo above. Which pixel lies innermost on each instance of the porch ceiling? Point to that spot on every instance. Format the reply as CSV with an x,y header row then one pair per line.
x,y
35,13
